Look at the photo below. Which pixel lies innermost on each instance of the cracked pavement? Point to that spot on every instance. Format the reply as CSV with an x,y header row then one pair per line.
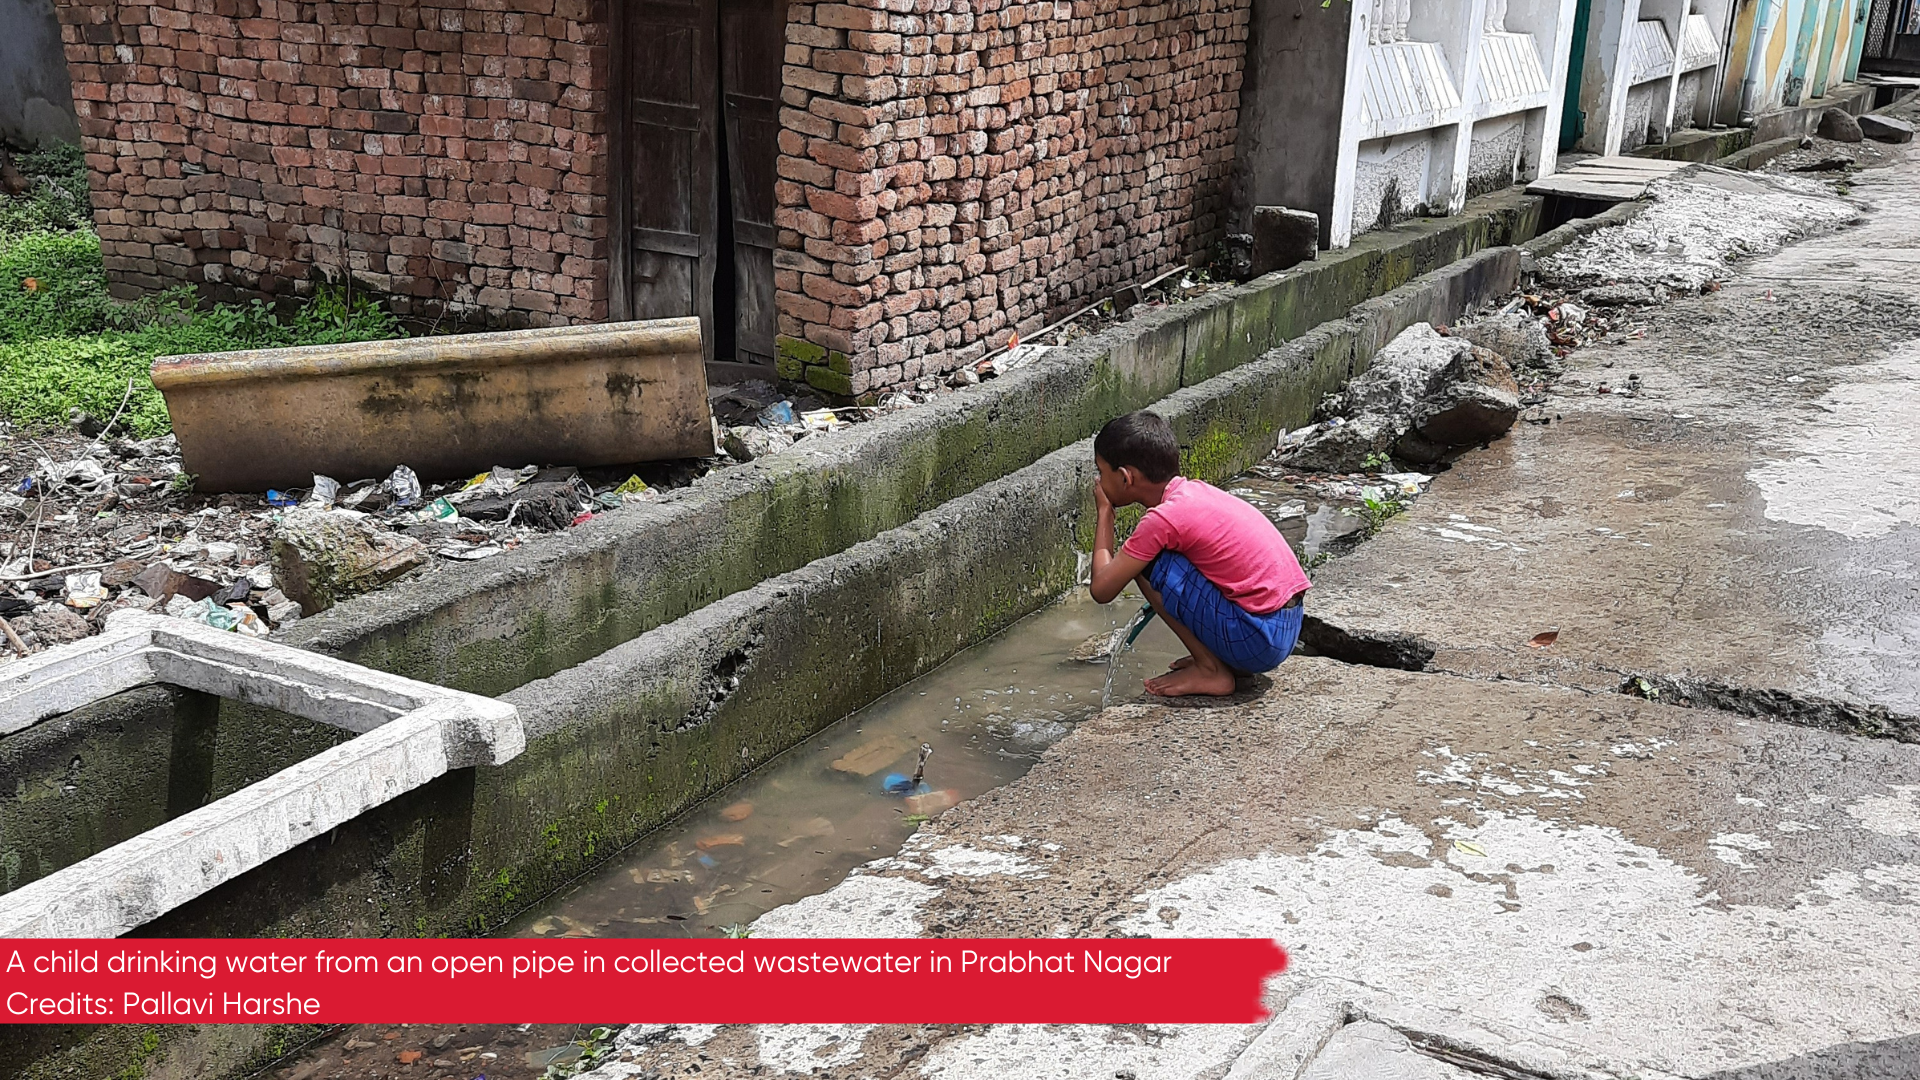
x,y
1504,865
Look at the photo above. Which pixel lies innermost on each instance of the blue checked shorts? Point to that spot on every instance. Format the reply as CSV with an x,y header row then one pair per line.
x,y
1248,642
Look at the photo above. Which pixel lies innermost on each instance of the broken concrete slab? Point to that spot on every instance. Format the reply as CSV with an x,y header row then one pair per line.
x,y
1886,129
323,556
1737,533
412,734
446,406
1540,881
1283,238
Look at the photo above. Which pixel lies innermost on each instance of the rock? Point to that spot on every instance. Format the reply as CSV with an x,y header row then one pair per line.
x,y
1477,402
163,582
1418,449
121,573
1885,129
1233,258
58,626
285,613
743,443
1344,447
85,424
1517,336
1628,295
963,376
1283,238
322,556
1401,375
1126,298
1839,126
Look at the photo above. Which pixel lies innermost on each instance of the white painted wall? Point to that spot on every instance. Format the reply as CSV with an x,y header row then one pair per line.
x,y
1446,98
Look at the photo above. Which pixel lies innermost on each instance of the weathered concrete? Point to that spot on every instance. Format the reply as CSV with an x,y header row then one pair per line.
x,y
1695,144
36,98
1505,861
447,407
1546,882
414,733
488,627
621,743
1738,532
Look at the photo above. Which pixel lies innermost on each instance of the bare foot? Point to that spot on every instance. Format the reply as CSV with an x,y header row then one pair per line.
x,y
1183,662
1195,680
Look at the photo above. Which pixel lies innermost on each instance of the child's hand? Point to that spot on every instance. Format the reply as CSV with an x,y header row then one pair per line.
x,y
1100,501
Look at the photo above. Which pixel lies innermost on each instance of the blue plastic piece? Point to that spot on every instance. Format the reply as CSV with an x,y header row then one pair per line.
x,y
896,784
280,498
707,861
24,487
778,414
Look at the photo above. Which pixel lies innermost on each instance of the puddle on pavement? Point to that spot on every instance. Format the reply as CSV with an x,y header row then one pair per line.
x,y
798,825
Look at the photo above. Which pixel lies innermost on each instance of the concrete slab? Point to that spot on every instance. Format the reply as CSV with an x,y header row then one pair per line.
x,y
414,733
1745,519
1521,880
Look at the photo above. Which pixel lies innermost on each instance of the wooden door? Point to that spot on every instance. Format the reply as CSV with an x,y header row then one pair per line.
x,y
664,197
752,46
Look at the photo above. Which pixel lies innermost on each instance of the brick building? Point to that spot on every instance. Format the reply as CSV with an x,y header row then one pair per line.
x,y
888,188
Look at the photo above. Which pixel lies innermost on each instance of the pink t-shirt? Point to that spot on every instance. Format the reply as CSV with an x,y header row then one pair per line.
x,y
1227,540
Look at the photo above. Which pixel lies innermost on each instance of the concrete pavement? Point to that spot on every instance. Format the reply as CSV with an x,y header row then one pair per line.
x,y
1504,864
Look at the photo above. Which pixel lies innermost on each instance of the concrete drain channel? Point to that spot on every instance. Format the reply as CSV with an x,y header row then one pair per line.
x,y
653,662
797,826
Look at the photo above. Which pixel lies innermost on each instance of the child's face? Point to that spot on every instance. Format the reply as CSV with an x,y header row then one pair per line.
x,y
1116,484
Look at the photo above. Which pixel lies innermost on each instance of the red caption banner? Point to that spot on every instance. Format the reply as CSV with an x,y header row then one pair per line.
x,y
636,980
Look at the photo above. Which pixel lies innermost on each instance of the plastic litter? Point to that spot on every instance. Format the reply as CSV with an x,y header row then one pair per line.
x,y
634,489
821,420
280,498
84,590
440,510
778,414
492,484
403,485
325,490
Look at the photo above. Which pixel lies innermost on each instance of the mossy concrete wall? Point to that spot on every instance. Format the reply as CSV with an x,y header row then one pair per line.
x,y
491,626
622,742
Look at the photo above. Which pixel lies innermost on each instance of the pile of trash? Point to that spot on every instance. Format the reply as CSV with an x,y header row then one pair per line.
x,y
1427,395
752,419
99,524
1695,226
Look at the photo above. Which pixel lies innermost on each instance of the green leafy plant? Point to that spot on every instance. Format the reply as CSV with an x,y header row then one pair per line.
x,y
1378,461
1377,507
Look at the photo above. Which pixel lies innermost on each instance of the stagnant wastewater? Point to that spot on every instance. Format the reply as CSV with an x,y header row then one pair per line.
x,y
798,825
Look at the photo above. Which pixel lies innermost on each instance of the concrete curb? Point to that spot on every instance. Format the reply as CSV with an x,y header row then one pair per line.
x,y
413,734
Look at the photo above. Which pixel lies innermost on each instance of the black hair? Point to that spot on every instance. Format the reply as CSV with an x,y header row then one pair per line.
x,y
1142,441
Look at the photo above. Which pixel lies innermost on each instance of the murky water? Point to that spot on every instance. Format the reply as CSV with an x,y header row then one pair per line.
x,y
798,825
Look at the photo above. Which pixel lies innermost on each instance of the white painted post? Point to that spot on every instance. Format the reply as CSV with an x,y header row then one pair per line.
x,y
1346,167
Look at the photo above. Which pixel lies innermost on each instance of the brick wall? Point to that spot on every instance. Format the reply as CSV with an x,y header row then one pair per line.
x,y
446,152
952,170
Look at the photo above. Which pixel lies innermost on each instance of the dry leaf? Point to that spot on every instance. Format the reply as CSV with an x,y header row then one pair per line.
x,y
1541,641
1468,847
708,843
739,811
408,1057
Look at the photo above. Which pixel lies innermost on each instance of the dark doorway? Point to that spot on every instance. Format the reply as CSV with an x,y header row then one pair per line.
x,y
696,122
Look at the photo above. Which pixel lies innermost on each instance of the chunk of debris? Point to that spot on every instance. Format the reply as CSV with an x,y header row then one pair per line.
x,y
322,556
1885,129
1424,394
1839,126
1519,337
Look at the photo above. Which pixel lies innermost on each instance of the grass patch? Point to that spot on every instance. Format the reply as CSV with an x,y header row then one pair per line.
x,y
66,344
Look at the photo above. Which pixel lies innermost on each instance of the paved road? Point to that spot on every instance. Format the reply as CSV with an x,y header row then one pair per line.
x,y
1504,854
